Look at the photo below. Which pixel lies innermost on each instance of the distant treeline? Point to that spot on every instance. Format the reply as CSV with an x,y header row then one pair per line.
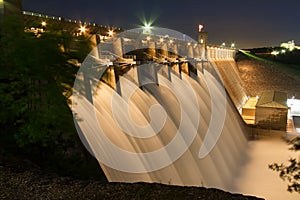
x,y
284,55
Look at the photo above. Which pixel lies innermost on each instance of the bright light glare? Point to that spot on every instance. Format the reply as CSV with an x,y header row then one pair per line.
x,y
110,32
274,53
147,27
43,22
82,29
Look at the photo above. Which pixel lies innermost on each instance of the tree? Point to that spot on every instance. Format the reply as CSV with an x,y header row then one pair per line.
x,y
12,74
35,74
291,171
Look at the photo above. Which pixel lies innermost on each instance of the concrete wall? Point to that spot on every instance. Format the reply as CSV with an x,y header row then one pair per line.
x,y
232,81
273,118
248,112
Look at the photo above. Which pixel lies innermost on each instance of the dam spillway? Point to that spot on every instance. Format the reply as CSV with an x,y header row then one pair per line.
x,y
152,125
232,81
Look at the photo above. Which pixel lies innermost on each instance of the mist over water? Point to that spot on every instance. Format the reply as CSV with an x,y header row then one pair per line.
x,y
256,178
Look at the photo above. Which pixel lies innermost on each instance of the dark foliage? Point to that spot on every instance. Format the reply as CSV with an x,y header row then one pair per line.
x,y
36,79
290,172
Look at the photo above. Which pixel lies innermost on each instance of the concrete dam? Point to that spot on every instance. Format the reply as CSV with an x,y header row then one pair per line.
x,y
160,112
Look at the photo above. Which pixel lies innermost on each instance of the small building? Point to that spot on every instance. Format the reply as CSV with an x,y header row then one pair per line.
x,y
290,45
271,111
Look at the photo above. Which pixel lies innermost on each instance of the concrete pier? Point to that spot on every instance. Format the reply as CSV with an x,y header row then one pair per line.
x,y
160,54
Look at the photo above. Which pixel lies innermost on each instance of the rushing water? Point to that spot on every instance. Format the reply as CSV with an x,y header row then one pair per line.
x,y
148,123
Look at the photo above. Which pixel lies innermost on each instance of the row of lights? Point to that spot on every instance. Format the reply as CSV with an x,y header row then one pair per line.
x,y
224,45
275,53
82,29
218,48
147,27
59,18
148,38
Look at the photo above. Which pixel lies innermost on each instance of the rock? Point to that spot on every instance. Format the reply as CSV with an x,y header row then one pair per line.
x,y
33,183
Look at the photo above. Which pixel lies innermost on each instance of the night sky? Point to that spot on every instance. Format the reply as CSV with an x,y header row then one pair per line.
x,y
249,23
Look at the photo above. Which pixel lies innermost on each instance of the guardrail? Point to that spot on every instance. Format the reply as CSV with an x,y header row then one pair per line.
x,y
66,20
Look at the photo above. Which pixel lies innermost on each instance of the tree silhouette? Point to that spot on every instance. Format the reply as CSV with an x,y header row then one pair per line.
x,y
36,80
291,171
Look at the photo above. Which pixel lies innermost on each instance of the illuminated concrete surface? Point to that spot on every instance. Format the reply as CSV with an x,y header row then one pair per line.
x,y
248,110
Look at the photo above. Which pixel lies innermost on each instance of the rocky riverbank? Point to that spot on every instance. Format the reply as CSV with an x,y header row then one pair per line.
x,y
21,179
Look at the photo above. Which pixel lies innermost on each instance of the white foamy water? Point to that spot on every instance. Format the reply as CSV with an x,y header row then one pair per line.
x,y
233,164
167,151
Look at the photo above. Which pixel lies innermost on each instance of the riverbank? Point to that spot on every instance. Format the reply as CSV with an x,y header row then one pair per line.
x,y
21,179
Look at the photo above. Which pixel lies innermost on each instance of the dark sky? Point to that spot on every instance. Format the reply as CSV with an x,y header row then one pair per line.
x,y
248,23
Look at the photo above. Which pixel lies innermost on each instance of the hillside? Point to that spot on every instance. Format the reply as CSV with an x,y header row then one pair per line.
x,y
260,74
